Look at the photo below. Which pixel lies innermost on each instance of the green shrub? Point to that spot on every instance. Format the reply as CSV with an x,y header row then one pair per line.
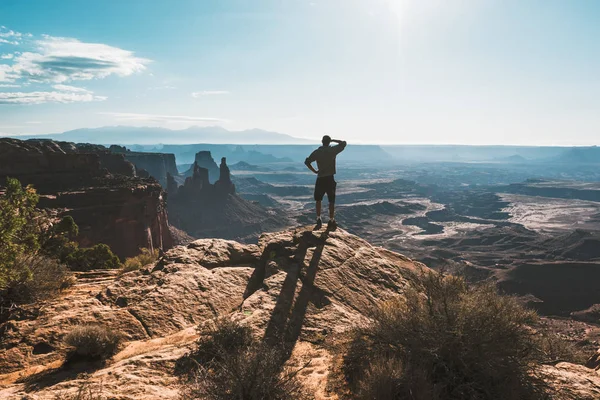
x,y
92,342
445,340
34,248
228,363
141,260
58,240
96,257
19,231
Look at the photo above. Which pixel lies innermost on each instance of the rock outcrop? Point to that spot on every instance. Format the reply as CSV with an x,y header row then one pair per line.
x,y
303,286
223,185
204,160
98,188
306,285
171,184
204,210
158,165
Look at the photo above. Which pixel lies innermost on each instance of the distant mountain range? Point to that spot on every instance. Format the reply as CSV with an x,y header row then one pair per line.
x,y
152,135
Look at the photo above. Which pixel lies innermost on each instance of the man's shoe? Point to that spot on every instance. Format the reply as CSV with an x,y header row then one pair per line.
x,y
332,225
319,225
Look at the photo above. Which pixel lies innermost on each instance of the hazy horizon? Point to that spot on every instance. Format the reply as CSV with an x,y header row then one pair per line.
x,y
301,142
390,72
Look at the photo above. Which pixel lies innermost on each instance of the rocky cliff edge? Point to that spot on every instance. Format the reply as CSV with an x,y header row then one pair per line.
x,y
307,286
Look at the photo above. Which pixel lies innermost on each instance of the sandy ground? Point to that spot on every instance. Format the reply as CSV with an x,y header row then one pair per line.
x,y
545,214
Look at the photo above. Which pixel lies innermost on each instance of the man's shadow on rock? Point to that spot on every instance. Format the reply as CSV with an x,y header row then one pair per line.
x,y
288,316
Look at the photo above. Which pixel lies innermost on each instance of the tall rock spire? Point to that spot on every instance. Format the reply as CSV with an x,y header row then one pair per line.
x,y
224,184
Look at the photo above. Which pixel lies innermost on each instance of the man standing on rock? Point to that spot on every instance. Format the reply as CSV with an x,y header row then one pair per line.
x,y
325,157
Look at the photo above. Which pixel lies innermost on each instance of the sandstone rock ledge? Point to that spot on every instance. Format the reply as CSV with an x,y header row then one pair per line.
x,y
305,286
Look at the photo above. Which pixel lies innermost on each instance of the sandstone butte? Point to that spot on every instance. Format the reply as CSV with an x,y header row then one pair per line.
x,y
102,191
310,286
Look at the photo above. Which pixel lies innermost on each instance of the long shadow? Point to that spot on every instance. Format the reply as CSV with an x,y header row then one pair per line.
x,y
285,324
51,377
308,294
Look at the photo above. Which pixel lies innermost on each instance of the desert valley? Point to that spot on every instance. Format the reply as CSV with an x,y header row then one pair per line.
x,y
235,240
299,200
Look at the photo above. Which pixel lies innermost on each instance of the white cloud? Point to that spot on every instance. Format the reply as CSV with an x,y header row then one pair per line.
x,y
61,60
6,36
46,97
160,118
34,122
67,88
165,87
208,93
5,41
9,33
7,74
58,60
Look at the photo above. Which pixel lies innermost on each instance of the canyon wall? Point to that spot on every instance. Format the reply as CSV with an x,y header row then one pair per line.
x,y
99,189
158,165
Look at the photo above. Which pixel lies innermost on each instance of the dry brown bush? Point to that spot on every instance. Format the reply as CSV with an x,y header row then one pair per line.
x,y
445,340
85,391
92,342
228,363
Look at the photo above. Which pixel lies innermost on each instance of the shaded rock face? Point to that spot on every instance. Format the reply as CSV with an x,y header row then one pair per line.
x,y
300,288
224,185
204,160
205,210
52,166
172,185
158,165
98,188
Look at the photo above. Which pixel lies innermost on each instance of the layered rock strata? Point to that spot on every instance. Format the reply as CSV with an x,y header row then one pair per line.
x,y
98,188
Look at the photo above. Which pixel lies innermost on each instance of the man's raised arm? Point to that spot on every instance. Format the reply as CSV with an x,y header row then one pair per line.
x,y
341,145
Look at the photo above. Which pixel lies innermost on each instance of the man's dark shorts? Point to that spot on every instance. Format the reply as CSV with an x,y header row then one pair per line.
x,y
325,185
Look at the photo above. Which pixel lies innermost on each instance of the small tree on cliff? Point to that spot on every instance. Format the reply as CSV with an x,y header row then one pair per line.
x,y
19,232
34,250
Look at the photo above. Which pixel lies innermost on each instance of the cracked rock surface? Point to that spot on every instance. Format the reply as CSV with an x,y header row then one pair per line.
x,y
304,286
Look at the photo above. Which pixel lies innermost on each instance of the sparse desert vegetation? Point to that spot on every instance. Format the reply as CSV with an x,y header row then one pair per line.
x,y
92,343
98,256
37,250
446,340
145,257
228,363
85,391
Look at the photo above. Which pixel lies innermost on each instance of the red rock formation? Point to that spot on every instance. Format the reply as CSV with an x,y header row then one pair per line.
x,y
99,189
224,185
204,160
205,210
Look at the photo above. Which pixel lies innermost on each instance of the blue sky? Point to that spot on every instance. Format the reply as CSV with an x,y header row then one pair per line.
x,y
370,71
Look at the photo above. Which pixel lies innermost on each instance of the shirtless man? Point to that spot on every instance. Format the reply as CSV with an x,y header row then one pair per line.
x,y
325,157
